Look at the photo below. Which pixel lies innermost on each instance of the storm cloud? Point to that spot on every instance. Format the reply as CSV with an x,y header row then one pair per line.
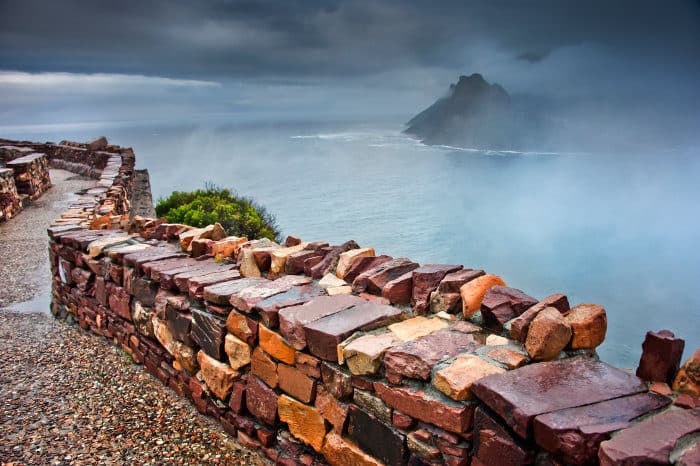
x,y
352,57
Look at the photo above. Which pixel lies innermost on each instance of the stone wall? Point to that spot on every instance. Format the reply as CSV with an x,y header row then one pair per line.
x,y
24,176
318,354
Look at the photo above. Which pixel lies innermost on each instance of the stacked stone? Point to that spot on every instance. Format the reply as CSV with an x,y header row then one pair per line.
x,y
11,152
10,200
315,353
31,174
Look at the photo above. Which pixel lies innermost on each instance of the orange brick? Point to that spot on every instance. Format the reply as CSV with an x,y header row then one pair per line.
x,y
275,345
305,423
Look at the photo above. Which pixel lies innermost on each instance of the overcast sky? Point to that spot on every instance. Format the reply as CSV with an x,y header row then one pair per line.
x,y
350,57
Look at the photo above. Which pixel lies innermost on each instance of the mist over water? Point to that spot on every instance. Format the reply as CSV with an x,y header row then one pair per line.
x,y
619,229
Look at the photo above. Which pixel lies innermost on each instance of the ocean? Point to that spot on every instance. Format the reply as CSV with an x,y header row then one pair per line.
x,y
609,228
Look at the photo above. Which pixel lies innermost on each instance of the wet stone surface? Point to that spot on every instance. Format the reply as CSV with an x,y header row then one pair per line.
x,y
520,395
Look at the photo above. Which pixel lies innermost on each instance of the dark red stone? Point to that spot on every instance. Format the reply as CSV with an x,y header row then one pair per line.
x,y
415,359
330,260
184,272
690,457
293,319
521,324
426,279
324,335
180,324
261,401
153,269
376,438
245,300
574,434
237,401
661,356
221,292
119,302
650,441
195,285
450,285
209,330
428,407
137,259
401,420
182,280
269,307
144,290
518,396
362,264
501,304
495,445
376,278
398,291
337,381
295,262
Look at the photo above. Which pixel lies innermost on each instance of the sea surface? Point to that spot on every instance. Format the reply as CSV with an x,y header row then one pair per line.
x,y
621,230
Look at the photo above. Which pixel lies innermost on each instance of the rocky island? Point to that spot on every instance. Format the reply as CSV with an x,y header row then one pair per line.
x,y
473,114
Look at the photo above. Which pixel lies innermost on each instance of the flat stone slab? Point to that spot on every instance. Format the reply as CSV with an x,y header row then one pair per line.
x,y
650,441
324,335
293,319
195,285
247,298
415,359
575,434
269,307
520,395
221,292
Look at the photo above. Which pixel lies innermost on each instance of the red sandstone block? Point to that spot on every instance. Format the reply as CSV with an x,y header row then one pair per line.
x,y
426,279
518,396
295,383
336,380
261,401
650,441
494,445
294,318
661,356
195,285
262,366
119,302
269,308
376,278
501,304
426,407
324,335
416,358
575,434
398,291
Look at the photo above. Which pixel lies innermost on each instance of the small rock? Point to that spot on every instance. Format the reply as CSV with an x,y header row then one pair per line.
x,y
661,356
549,334
457,379
588,323
473,292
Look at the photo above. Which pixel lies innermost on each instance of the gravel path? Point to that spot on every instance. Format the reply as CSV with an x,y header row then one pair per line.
x,y
69,397
24,256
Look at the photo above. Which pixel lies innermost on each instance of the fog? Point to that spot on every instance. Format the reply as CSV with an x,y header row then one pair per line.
x,y
301,105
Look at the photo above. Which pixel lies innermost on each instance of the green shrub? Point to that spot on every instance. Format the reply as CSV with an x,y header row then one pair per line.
x,y
240,216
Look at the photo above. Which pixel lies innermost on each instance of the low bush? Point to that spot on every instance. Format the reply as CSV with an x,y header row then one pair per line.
x,y
240,216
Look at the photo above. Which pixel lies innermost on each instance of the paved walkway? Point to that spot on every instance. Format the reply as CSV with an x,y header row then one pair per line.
x,y
69,397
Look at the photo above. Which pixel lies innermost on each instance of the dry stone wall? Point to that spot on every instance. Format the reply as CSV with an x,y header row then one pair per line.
x,y
315,353
24,176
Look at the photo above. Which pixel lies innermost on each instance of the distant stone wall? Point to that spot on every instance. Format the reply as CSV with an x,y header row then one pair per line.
x,y
318,354
24,177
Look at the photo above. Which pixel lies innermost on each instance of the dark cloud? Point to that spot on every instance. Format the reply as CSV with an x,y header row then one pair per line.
x,y
308,38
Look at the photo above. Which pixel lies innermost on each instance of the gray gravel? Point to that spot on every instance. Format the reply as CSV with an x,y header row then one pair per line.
x,y
70,397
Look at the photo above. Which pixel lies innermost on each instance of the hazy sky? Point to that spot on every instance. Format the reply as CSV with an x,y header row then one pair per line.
x,y
84,60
